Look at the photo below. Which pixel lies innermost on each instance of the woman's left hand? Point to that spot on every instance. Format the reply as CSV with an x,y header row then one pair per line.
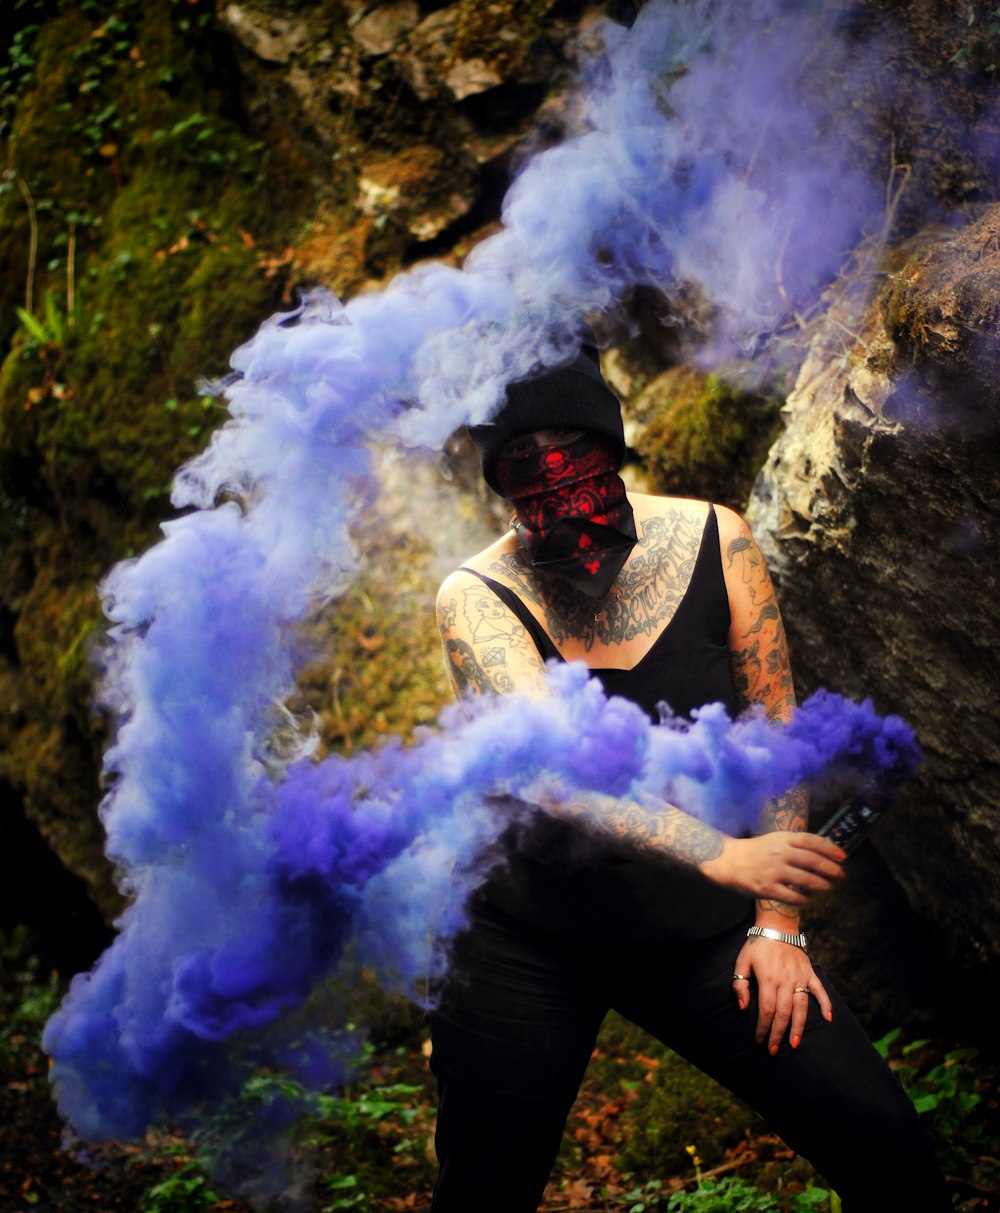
x,y
785,982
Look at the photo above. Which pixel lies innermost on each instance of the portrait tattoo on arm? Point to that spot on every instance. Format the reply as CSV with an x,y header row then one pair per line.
x,y
477,662
760,667
469,675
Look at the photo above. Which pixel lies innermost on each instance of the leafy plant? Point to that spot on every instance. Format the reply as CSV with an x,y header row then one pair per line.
x,y
982,51
647,1196
49,329
188,1190
944,1089
731,1194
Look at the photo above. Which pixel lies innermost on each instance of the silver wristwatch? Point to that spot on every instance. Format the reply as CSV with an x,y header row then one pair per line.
x,y
797,941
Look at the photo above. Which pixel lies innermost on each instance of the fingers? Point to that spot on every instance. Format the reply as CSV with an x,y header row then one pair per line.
x,y
741,988
773,1014
800,1010
817,844
818,991
807,865
784,1009
816,856
778,865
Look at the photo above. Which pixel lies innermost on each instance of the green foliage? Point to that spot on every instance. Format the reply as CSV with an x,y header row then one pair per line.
x,y
132,216
356,1128
187,1190
18,67
981,51
27,999
353,1145
731,1194
51,328
372,1139
947,1090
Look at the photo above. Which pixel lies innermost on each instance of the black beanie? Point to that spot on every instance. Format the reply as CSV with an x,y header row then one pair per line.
x,y
572,396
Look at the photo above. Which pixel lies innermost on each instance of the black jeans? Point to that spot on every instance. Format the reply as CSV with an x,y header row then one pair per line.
x,y
516,1025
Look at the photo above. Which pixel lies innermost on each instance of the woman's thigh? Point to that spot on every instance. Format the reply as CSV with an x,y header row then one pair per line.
x,y
511,1036
518,1012
834,1100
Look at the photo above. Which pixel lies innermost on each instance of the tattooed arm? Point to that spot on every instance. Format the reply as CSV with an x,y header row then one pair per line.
x,y
762,676
758,656
486,648
653,831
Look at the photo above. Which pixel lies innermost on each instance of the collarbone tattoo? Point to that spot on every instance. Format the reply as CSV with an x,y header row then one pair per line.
x,y
643,600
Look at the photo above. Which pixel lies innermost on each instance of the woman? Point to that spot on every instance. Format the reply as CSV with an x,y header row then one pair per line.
x,y
602,903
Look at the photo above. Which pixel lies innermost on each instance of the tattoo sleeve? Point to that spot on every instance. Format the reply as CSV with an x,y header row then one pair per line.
x,y
762,675
467,673
651,831
759,662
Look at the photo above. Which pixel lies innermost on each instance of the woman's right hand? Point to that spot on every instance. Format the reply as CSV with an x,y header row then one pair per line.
x,y
781,866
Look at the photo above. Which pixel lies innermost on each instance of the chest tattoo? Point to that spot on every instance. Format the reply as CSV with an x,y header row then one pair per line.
x,y
643,600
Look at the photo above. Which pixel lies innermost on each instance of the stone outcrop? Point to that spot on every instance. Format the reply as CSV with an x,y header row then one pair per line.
x,y
879,510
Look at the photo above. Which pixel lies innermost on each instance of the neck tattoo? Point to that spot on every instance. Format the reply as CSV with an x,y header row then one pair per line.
x,y
610,600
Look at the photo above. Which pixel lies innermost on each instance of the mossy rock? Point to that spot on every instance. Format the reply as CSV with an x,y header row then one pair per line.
x,y
942,309
377,670
699,436
155,259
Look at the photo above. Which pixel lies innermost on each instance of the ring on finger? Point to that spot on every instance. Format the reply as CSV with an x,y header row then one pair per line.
x,y
739,977
801,990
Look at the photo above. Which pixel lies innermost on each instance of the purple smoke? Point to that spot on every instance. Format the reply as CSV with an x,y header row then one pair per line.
x,y
368,852
251,877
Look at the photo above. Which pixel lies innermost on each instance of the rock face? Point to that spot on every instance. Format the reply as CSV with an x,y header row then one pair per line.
x,y
878,513
268,147
410,113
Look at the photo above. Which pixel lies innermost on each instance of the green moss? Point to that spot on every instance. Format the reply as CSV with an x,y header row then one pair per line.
x,y
155,252
378,670
704,437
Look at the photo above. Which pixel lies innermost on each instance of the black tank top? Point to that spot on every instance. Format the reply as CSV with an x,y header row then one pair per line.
x,y
688,664
554,879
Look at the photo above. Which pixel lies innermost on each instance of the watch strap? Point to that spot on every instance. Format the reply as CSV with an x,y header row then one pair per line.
x,y
797,941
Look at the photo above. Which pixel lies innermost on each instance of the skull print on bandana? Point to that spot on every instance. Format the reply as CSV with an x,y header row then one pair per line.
x,y
573,517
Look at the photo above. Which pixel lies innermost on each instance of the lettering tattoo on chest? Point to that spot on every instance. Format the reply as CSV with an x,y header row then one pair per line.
x,y
647,593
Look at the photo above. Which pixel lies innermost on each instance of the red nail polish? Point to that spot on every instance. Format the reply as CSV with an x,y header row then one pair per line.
x,y
795,1041
741,1004
773,1050
828,1015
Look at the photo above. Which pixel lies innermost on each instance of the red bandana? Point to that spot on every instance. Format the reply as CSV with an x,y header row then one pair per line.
x,y
573,518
